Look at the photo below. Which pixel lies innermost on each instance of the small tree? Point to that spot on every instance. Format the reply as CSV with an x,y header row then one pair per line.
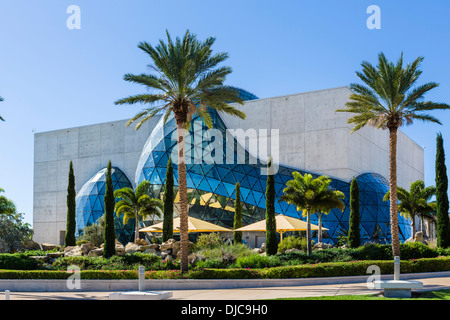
x,y
137,203
168,203
109,248
415,202
354,240
442,220
271,224
69,239
237,235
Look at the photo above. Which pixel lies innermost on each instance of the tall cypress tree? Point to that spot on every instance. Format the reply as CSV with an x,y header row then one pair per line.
x,y
271,227
109,247
354,240
237,235
442,220
69,239
168,203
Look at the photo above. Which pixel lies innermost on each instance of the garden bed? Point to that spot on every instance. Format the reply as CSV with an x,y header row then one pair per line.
x,y
328,269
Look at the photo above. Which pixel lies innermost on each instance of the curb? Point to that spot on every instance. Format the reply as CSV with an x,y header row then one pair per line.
x,y
190,284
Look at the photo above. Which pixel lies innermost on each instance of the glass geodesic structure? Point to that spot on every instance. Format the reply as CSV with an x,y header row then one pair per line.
x,y
90,203
211,184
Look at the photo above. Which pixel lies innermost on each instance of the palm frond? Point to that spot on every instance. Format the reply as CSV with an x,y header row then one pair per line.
x,y
388,98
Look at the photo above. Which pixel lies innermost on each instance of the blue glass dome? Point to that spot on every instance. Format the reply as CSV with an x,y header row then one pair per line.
x,y
211,187
90,203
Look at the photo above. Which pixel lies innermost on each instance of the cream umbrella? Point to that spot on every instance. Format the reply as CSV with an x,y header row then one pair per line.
x,y
284,224
194,225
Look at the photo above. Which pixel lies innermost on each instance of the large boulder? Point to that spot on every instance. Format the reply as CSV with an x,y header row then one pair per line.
x,y
49,246
29,244
176,247
321,246
54,255
95,252
73,251
131,247
86,247
120,249
141,242
167,245
40,258
418,237
149,251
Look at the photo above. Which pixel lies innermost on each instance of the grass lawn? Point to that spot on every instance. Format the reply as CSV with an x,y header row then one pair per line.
x,y
426,295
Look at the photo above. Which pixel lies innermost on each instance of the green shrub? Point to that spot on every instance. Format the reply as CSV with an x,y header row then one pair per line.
x,y
17,261
127,261
166,265
410,250
211,263
416,250
227,254
37,252
372,251
292,242
209,241
257,261
224,274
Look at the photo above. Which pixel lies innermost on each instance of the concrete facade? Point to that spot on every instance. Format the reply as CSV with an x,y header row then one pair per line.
x,y
312,136
90,148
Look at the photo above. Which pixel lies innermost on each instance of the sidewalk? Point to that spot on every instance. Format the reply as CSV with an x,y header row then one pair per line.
x,y
238,294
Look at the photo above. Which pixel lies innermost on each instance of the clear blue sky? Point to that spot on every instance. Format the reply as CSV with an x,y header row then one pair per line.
x,y
53,78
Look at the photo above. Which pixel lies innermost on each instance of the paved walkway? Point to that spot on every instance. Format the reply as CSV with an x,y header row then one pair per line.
x,y
237,294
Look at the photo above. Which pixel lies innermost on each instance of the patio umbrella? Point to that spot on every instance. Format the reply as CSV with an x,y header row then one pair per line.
x,y
284,224
194,225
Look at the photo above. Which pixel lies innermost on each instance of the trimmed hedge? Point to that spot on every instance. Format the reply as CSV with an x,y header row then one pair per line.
x,y
330,269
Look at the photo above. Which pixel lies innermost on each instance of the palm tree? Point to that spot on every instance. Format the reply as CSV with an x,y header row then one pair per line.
x,y
310,195
133,204
328,199
7,207
415,202
186,81
388,100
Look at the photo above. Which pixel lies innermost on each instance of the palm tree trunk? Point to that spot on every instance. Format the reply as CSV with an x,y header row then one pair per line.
x,y
182,185
319,237
308,231
413,225
136,232
393,191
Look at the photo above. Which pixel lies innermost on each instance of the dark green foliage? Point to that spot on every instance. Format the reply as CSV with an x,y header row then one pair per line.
x,y
110,235
237,235
127,261
271,228
257,261
442,220
17,261
353,231
13,230
69,239
168,203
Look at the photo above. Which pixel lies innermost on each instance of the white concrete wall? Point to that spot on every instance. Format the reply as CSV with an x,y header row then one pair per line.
x,y
314,137
90,148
